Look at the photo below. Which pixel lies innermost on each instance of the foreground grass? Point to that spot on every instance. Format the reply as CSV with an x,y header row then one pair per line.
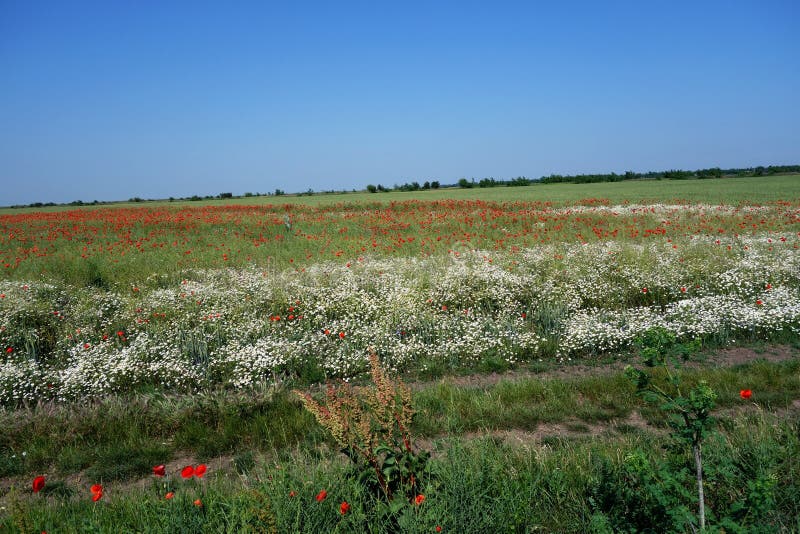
x,y
480,485
552,448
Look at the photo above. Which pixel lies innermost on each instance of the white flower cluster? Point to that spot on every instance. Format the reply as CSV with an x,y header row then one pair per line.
x,y
239,328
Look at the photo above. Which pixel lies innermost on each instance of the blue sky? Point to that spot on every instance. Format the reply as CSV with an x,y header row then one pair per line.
x,y
111,100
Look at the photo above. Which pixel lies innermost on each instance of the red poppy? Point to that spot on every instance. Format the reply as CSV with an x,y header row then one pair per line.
x,y
644,290
683,289
321,495
38,484
159,470
120,333
200,470
759,302
9,350
344,508
97,492
341,335
292,493
745,394
169,495
198,502
438,528
187,472
419,499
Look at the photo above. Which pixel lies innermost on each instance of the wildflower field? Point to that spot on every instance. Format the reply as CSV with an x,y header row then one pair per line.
x,y
171,335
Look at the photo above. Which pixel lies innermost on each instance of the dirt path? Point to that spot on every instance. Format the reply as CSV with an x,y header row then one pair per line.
x,y
719,358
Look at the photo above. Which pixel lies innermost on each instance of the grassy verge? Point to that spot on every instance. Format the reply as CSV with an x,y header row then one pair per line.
x,y
480,485
119,438
568,450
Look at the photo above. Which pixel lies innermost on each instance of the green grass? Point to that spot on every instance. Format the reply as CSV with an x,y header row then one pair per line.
x,y
121,438
480,485
580,479
595,473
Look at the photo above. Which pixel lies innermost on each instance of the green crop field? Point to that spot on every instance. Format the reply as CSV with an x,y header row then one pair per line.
x,y
136,335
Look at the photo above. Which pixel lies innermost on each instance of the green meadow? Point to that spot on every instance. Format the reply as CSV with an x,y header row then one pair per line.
x,y
144,334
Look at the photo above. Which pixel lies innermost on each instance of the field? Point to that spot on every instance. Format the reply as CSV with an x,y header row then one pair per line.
x,y
140,334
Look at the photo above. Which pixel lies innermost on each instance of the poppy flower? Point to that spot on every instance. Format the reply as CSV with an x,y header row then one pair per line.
x,y
292,493
169,495
745,394
419,499
9,350
321,495
38,484
97,492
344,508
187,472
198,502
759,302
200,470
341,335
159,470
438,528
644,290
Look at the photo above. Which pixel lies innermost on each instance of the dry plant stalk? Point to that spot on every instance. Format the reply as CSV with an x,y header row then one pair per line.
x,y
363,418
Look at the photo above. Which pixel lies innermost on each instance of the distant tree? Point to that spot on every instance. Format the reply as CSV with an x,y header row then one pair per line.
x,y
226,195
381,188
372,189
435,185
279,192
426,185
464,183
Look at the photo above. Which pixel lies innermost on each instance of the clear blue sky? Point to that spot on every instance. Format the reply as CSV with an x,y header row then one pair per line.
x,y
114,99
